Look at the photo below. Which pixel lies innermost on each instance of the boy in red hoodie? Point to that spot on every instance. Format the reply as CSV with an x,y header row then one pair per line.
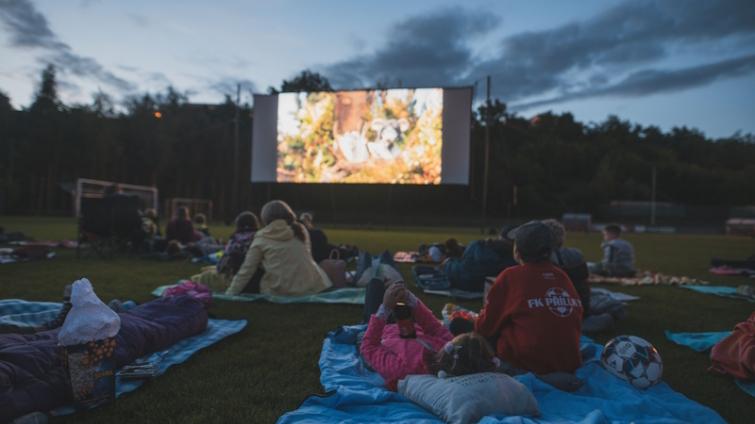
x,y
533,311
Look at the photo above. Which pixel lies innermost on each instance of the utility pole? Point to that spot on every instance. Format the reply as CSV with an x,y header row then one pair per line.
x,y
486,159
652,198
235,186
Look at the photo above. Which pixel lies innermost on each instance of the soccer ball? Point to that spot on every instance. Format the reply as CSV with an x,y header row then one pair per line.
x,y
633,359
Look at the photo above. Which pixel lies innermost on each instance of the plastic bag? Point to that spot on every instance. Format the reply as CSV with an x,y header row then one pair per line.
x,y
89,318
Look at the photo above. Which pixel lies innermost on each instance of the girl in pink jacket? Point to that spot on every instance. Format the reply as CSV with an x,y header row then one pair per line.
x,y
432,350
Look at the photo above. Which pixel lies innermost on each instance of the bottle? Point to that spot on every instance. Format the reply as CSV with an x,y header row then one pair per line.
x,y
403,314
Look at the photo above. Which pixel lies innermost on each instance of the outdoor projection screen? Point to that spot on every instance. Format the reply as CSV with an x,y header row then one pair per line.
x,y
392,136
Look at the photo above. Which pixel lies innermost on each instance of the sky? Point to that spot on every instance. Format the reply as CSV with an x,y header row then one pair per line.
x,y
655,62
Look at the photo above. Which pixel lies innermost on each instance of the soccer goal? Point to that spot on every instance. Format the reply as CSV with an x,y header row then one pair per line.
x,y
87,188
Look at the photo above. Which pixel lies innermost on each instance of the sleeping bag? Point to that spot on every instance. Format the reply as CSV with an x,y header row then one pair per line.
x,y
32,376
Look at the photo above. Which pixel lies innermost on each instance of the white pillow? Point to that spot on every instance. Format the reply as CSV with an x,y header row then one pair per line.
x,y
468,398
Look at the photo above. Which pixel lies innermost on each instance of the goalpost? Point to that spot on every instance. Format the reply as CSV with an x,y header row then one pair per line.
x,y
87,188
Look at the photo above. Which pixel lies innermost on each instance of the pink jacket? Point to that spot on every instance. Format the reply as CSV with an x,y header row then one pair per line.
x,y
395,358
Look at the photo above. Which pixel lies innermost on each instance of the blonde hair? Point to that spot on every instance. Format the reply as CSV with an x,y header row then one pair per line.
x,y
278,209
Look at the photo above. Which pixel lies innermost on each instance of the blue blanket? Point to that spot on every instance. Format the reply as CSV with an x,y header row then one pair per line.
x,y
348,295
357,395
723,291
217,329
21,313
699,342
702,342
172,329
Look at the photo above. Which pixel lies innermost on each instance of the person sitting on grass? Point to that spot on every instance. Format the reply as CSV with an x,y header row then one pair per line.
x,y
618,255
180,227
481,258
200,225
532,312
282,249
431,349
571,261
320,247
218,277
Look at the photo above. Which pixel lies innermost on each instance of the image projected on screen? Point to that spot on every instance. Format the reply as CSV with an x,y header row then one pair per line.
x,y
374,136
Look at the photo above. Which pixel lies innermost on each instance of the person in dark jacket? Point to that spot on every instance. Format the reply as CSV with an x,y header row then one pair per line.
x,y
320,247
481,259
571,261
180,227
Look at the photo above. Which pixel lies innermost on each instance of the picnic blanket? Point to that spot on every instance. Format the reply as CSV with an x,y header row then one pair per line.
x,y
726,270
347,295
23,314
356,394
412,257
646,278
702,342
217,330
723,291
32,314
25,254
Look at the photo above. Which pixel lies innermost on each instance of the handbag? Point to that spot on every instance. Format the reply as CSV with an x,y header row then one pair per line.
x,y
335,268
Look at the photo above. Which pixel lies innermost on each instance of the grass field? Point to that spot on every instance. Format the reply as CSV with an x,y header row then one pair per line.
x,y
271,366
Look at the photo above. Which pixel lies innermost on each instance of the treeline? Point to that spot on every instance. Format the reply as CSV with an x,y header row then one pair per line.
x,y
543,166
162,140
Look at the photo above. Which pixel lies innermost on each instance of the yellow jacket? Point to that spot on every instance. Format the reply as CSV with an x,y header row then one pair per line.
x,y
287,261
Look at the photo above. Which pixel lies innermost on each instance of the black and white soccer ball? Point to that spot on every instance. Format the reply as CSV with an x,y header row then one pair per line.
x,y
633,359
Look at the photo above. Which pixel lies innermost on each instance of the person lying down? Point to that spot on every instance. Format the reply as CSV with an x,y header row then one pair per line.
x,y
403,338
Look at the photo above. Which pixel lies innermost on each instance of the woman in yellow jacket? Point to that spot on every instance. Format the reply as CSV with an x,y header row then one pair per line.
x,y
283,250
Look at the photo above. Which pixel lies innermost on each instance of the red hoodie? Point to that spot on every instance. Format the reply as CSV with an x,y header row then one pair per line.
x,y
536,315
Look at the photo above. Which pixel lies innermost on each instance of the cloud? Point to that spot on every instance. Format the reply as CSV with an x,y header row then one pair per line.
x,y
602,55
423,50
654,81
141,21
628,35
29,28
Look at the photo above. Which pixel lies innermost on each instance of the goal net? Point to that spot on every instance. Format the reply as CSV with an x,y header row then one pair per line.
x,y
95,189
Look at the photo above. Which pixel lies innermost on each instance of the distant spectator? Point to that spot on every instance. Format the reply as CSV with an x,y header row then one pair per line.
x,y
320,247
618,255
180,227
123,217
481,259
571,261
151,223
200,224
247,224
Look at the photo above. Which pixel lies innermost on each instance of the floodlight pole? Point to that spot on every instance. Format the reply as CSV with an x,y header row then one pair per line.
x,y
486,159
235,192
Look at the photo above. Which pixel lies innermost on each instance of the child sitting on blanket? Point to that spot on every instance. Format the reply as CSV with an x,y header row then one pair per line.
x,y
218,277
200,225
532,311
282,249
394,357
618,255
